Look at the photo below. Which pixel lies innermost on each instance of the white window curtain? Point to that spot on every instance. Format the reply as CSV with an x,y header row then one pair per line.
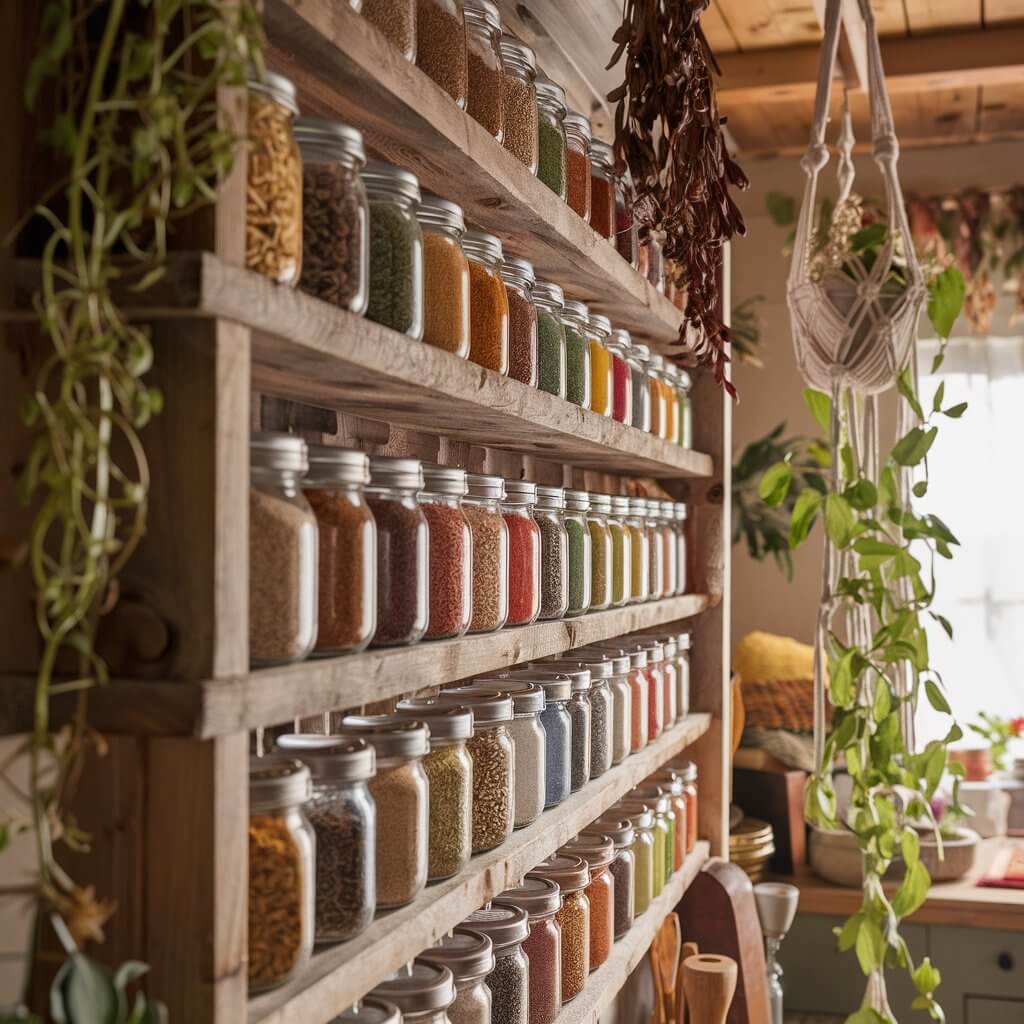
x,y
976,471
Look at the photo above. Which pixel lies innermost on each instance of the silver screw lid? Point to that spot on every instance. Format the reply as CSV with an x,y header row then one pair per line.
x,y
602,153
681,511
483,11
551,94
448,480
618,830
598,665
621,337
550,497
386,179
600,325
576,311
434,211
557,685
481,246
600,503
277,87
579,125
517,56
569,871
370,1011
518,272
620,505
332,139
330,758
284,452
549,294
483,486
328,464
402,473
520,492
276,781
528,698
577,501
597,851
489,706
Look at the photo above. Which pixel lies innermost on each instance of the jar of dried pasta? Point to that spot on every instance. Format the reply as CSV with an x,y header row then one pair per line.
x,y
396,20
273,204
488,302
402,793
620,833
519,98
445,275
572,876
483,55
507,927
441,46
598,852
482,508
282,868
469,955
450,543
423,991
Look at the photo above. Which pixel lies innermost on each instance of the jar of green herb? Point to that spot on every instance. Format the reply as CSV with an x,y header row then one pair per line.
x,y
575,318
549,300
600,552
551,168
622,563
577,505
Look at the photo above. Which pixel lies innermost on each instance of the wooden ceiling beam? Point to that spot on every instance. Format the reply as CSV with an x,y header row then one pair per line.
x,y
853,46
950,60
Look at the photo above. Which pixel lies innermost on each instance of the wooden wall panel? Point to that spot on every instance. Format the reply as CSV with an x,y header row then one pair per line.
x,y
928,15
717,29
1001,109
771,23
1003,10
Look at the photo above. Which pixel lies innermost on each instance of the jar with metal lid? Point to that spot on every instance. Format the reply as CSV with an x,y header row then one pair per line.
x,y
578,135
554,539
347,548
622,702
335,214
541,899
557,732
638,359
549,300
599,329
602,188
493,754
575,320
688,771
469,955
401,792
667,535
441,46
403,597
282,871
282,552
370,1011
618,346
655,550
572,877
396,20
508,928
579,714
622,561
273,206
552,163
344,819
600,552
654,260
627,239
671,781
658,798
639,550
655,684
449,770
524,552
682,574
483,59
659,404
396,249
670,674
519,97
683,641
450,545
445,275
684,385
622,868
519,278
580,551
488,302
598,721
669,379
482,509
598,852
639,689
642,820
423,991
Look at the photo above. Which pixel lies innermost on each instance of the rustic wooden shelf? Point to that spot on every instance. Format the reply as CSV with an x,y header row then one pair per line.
x,y
604,984
341,974
344,68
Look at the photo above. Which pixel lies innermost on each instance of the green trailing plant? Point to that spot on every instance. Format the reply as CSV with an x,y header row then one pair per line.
x,y
127,93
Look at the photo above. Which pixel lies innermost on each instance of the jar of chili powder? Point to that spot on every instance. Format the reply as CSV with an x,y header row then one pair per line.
x,y
523,552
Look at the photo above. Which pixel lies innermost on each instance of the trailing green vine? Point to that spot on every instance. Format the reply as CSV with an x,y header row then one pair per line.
x,y
128,94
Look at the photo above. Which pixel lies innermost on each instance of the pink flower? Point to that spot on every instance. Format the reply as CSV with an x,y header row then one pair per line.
x,y
1017,726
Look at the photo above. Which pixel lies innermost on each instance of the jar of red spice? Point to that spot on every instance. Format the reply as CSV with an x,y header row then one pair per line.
x,y
524,552
627,239
578,134
639,689
488,302
602,188
482,509
618,346
598,852
688,772
572,876
541,898
682,576
620,833
347,549
554,552
655,652
451,551
402,550
519,280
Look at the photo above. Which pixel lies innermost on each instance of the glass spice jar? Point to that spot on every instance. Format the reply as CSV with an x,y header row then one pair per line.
x,y
622,560
599,329
335,214
519,279
402,795
282,552
344,820
602,188
682,577
669,779
403,596
642,820
618,346
659,405
441,46
519,97
449,770
639,550
541,899
273,204
598,852
578,135
554,557
572,877
282,872
655,652
396,249
524,552
688,771
670,674
549,300
552,162
493,754
637,359
667,535
424,991
370,1011
488,302
508,928
483,58
557,735
670,380
655,261
639,689
627,239
579,714
482,509
600,551
580,551
683,641
445,275
655,550
450,545
347,548
684,385
575,319
622,868
596,720
622,707
656,795
633,805
396,20
469,955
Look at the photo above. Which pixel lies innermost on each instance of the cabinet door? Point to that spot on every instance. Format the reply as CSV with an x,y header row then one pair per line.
x,y
993,1011
979,961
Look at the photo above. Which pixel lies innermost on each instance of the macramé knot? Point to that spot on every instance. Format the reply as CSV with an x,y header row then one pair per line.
x,y
815,158
886,150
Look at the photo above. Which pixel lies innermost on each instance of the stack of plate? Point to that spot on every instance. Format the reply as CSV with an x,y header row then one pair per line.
x,y
751,846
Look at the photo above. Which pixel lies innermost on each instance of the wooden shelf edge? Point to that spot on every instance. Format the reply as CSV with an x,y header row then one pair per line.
x,y
607,981
342,974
